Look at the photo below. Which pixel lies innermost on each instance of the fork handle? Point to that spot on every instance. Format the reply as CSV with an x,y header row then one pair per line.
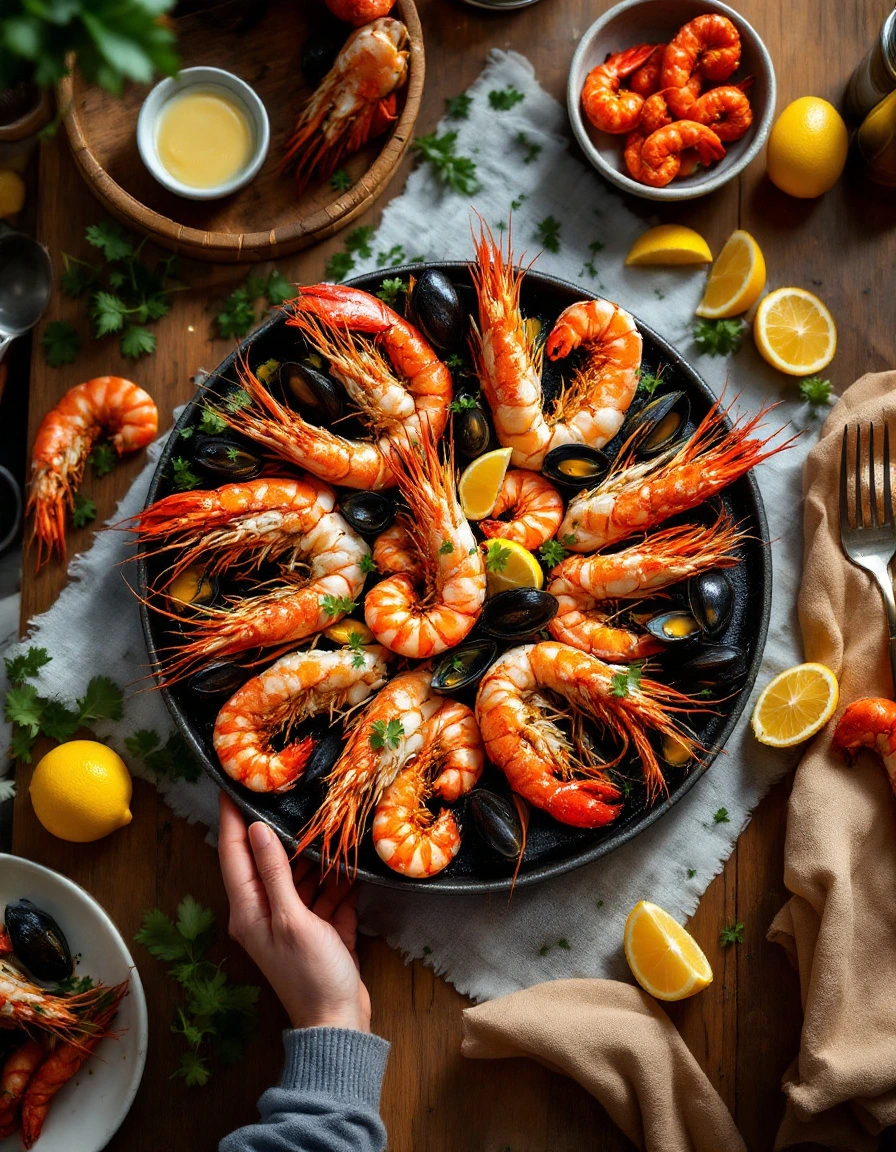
x,y
881,574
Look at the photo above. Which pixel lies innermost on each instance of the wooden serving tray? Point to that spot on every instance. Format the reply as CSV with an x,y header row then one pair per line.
x,y
262,43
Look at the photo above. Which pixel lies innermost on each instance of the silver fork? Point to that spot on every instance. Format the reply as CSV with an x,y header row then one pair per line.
x,y
870,546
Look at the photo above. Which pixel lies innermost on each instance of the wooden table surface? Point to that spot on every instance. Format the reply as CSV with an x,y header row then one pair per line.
x,y
744,1029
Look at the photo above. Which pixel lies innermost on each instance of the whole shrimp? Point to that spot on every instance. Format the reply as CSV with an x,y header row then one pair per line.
x,y
359,12
394,550
634,497
605,106
726,110
18,1068
646,79
422,623
105,404
591,407
397,395
709,45
354,102
535,507
580,583
869,723
294,688
657,159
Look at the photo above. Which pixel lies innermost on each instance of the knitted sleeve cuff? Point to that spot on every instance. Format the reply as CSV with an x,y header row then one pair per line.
x,y
336,1061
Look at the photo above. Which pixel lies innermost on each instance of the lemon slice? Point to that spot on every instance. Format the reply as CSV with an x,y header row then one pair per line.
x,y
735,280
669,244
343,631
795,332
665,959
795,705
481,481
510,565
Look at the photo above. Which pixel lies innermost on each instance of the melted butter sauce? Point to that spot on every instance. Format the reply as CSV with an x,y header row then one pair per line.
x,y
204,138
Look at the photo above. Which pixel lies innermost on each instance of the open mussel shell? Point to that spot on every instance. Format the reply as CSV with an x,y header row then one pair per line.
x,y
576,466
497,822
368,512
38,942
192,588
317,398
326,751
217,681
676,626
712,664
711,599
675,751
473,433
517,613
463,666
659,424
226,460
435,307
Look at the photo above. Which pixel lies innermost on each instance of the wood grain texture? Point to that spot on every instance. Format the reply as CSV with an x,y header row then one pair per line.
x,y
744,1029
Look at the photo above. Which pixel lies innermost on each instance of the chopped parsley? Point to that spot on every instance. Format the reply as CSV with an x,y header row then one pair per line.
x,y
83,512
183,477
461,403
548,233
333,605
385,734
367,563
503,99
815,391
530,148
733,934
390,290
102,458
446,548
551,553
458,173
60,342
458,107
718,337
340,181
721,817
627,681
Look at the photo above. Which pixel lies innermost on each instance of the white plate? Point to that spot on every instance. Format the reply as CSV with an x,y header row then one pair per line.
x,y
87,1112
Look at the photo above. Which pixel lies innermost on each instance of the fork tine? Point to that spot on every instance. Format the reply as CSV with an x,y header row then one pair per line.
x,y
844,468
872,489
888,496
860,523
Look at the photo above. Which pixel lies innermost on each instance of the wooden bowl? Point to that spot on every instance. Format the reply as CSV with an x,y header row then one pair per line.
x,y
262,44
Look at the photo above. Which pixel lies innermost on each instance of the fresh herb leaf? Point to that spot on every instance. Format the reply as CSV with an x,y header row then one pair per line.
x,y
649,381
390,290
358,240
193,920
183,477
338,266
278,289
564,944
590,266
385,734
83,512
142,742
111,239
460,403
733,934
340,181
718,337
137,342
456,172
721,817
456,663
170,761
367,563
103,700
458,107
446,548
210,423
58,722
552,553
455,363
503,99
236,314
627,681
77,276
531,149
237,399
21,744
108,313
60,343
102,458
692,872
333,605
548,233
496,556
26,665
544,949
75,985
391,258
816,391
24,707
515,204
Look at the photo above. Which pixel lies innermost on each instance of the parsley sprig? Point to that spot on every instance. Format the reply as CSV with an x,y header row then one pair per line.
x,y
60,342
391,289
333,605
357,243
456,172
547,233
503,99
628,681
170,761
551,553
237,314
385,734
815,391
458,107
718,337
733,934
496,556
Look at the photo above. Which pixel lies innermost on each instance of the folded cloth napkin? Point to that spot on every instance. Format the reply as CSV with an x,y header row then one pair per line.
x,y
839,926
620,1045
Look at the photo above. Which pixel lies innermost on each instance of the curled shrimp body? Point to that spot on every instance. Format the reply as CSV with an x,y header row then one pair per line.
x,y
869,723
354,102
646,79
708,44
107,405
451,738
604,104
422,623
296,687
658,160
394,551
535,507
726,110
634,497
18,1068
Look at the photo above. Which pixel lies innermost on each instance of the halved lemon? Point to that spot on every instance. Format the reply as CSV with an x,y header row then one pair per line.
x,y
481,481
795,705
669,244
795,332
665,959
510,565
735,280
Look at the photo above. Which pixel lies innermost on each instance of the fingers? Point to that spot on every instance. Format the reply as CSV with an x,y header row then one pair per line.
x,y
345,921
238,871
273,868
333,891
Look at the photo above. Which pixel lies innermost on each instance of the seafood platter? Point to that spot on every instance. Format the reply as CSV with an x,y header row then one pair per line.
x,y
340,644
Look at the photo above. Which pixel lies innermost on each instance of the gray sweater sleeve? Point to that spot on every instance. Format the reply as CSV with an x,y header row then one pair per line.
x,y
328,1098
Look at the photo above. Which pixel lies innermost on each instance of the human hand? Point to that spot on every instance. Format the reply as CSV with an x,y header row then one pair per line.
x,y
301,932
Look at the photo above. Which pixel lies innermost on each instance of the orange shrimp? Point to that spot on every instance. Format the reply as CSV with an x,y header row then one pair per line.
x,y
869,723
726,110
18,1068
708,44
105,404
451,735
646,79
359,12
659,159
354,102
394,550
605,106
535,507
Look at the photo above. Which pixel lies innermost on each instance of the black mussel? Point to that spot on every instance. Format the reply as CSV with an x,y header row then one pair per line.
x,y
576,466
38,942
711,597
217,681
659,424
676,750
673,627
472,431
324,754
517,613
463,666
192,588
320,51
317,398
435,307
497,822
224,459
712,664
368,512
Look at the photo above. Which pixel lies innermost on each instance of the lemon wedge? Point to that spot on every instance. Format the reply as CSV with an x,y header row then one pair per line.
x,y
795,705
669,244
481,481
665,959
510,565
735,280
795,332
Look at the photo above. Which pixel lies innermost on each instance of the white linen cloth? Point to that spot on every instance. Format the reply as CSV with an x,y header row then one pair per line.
x,y
485,946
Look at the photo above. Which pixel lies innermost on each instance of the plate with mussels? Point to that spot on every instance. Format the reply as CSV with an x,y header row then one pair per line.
x,y
347,650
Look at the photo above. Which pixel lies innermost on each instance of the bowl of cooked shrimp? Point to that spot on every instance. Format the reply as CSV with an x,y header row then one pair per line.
x,y
671,99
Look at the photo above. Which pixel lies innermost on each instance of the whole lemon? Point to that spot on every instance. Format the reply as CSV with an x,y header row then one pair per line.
x,y
81,791
807,148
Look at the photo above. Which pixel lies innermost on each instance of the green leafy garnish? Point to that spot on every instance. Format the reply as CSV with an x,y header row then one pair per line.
x,y
385,734
237,399
357,243
460,403
627,681
340,181
210,423
26,665
563,943
392,257
551,553
503,99
815,391
277,289
721,817
182,475
170,761
568,540
339,265
102,458
496,556
692,872
367,563
333,605
458,107
390,290
733,934
111,239
356,646
456,172
544,949
446,548
548,233
137,342
236,314
74,985
530,148
648,382
455,363
60,342
718,337
83,512
103,700
589,266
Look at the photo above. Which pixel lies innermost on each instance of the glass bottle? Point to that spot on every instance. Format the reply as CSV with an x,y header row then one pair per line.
x,y
876,142
876,75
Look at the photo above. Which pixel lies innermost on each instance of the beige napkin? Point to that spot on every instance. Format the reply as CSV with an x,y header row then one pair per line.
x,y
620,1045
839,927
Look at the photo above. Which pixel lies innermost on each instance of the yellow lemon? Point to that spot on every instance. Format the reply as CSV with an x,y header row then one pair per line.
x,y
12,192
795,332
481,481
735,280
807,148
346,629
510,565
665,959
81,791
669,244
795,705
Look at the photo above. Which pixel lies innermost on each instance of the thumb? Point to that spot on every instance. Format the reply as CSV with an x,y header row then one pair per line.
x,y
273,867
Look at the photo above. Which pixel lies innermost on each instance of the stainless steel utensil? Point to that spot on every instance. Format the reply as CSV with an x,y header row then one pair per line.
x,y
26,275
870,545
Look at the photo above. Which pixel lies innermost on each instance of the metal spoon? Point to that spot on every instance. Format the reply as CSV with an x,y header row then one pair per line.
x,y
26,276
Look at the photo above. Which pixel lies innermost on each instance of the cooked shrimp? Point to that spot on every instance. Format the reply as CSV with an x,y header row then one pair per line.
x,y
401,617
658,159
24,1004
296,687
397,396
605,106
359,12
580,583
535,507
452,740
708,44
105,404
634,497
406,835
646,79
394,551
354,102
869,723
18,1068
726,110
